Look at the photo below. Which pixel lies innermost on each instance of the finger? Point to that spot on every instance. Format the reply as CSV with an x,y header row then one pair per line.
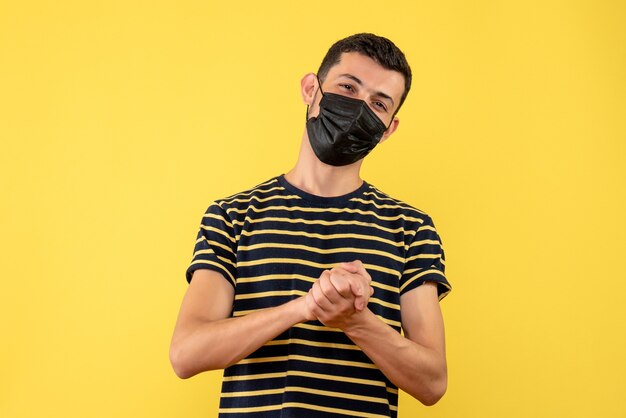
x,y
341,285
350,266
360,302
347,275
320,299
328,289
360,269
359,280
357,267
356,286
358,289
339,270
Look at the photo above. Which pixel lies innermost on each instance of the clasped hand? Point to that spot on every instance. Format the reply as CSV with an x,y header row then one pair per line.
x,y
339,294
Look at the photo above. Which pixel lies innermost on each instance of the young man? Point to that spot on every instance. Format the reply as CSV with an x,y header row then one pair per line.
x,y
299,287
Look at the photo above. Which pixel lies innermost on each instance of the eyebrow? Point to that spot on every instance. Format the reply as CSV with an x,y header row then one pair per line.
x,y
360,83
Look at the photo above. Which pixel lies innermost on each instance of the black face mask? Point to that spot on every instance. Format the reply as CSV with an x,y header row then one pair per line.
x,y
345,130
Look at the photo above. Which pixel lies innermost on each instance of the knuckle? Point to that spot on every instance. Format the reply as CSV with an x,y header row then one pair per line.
x,y
324,287
343,287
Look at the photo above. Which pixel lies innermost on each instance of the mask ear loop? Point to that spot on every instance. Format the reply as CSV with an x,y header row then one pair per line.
x,y
319,86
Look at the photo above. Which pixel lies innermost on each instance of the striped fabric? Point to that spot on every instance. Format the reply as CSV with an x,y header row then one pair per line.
x,y
271,243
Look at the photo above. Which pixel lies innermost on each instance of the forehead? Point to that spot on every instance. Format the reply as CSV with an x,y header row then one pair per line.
x,y
374,76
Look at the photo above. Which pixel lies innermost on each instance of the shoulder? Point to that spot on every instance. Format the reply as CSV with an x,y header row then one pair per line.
x,y
267,189
376,199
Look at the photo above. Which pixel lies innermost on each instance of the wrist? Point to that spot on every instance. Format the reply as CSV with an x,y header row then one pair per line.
x,y
358,322
297,310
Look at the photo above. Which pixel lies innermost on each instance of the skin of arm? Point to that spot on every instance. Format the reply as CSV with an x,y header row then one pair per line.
x,y
415,362
206,337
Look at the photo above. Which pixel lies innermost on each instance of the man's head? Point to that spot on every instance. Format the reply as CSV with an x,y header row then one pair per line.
x,y
379,49
353,100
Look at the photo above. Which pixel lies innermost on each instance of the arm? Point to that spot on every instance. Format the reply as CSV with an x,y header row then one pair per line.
x,y
416,363
207,338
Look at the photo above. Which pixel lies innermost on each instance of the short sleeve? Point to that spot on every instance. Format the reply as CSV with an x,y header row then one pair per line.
x,y
425,261
215,247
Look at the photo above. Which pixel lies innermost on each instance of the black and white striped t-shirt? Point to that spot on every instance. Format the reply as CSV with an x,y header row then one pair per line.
x,y
271,243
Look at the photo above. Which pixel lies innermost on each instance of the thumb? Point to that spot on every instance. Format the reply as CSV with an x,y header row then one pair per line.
x,y
350,266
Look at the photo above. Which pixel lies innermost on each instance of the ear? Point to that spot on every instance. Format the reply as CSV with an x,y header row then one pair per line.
x,y
308,87
392,128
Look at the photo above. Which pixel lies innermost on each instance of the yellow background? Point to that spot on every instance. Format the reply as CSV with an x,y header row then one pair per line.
x,y
120,121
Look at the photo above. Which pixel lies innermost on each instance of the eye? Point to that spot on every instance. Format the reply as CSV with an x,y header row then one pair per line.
x,y
380,106
347,87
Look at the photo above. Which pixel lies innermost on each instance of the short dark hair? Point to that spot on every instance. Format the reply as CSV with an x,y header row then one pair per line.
x,y
380,49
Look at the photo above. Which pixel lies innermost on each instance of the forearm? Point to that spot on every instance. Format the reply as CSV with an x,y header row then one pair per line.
x,y
414,368
210,345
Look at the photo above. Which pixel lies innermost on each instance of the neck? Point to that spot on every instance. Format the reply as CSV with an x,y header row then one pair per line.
x,y
317,178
